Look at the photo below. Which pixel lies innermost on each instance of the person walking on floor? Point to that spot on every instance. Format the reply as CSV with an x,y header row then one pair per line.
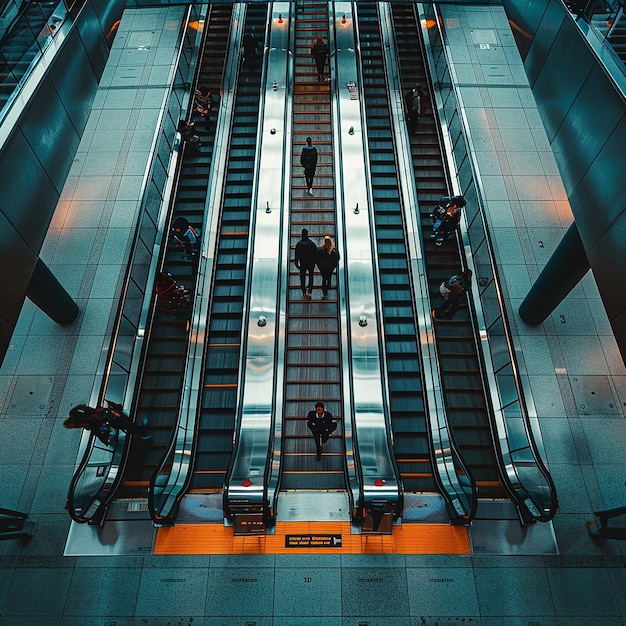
x,y
320,54
452,291
104,421
327,259
308,160
306,251
321,424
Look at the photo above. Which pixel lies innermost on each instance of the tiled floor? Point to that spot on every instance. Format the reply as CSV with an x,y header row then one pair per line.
x,y
574,369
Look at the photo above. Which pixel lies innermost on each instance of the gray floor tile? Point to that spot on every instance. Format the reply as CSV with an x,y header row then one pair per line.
x,y
243,560
51,489
373,560
48,620
15,449
513,591
558,440
526,620
545,391
74,246
105,281
536,355
375,621
441,591
582,592
87,353
611,483
112,591
584,355
12,479
40,355
308,592
572,316
37,592
244,620
574,539
374,591
172,592
606,438
174,620
164,561
569,483
237,592
586,621
130,188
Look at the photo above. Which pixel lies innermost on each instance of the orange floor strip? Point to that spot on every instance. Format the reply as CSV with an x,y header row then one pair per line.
x,y
406,539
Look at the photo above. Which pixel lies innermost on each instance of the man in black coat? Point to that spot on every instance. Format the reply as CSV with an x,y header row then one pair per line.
x,y
308,160
306,252
250,47
321,424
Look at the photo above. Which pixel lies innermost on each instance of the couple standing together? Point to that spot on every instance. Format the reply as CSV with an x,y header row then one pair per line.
x,y
308,255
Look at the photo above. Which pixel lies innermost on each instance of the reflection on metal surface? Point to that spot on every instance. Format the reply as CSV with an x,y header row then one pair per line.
x,y
365,408
513,415
247,499
168,483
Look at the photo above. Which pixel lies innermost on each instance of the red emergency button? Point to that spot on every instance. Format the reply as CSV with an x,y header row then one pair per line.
x,y
379,482
246,482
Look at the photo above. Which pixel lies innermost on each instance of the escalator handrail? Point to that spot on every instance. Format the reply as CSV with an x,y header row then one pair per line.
x,y
103,490
523,494
172,476
6,36
256,413
447,464
366,406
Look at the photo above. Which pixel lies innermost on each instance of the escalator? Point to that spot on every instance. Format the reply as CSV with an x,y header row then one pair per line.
x,y
403,363
161,383
459,361
312,369
29,34
214,442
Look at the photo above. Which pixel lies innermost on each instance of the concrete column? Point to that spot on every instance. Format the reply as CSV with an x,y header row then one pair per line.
x,y
48,294
567,265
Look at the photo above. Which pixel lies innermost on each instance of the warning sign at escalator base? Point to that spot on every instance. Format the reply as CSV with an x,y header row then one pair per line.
x,y
313,541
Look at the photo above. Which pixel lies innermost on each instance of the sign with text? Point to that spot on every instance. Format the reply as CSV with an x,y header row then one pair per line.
x,y
313,541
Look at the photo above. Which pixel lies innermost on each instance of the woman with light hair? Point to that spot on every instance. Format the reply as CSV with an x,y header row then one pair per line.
x,y
326,260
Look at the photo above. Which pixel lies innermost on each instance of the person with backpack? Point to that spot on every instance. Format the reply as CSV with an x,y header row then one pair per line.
x,y
188,135
103,422
446,217
452,291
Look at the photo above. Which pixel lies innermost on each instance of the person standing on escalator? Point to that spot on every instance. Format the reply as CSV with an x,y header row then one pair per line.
x,y
327,260
320,422
308,160
250,48
320,54
103,422
305,252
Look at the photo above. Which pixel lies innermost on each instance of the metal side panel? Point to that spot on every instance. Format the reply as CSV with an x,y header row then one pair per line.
x,y
360,310
247,481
